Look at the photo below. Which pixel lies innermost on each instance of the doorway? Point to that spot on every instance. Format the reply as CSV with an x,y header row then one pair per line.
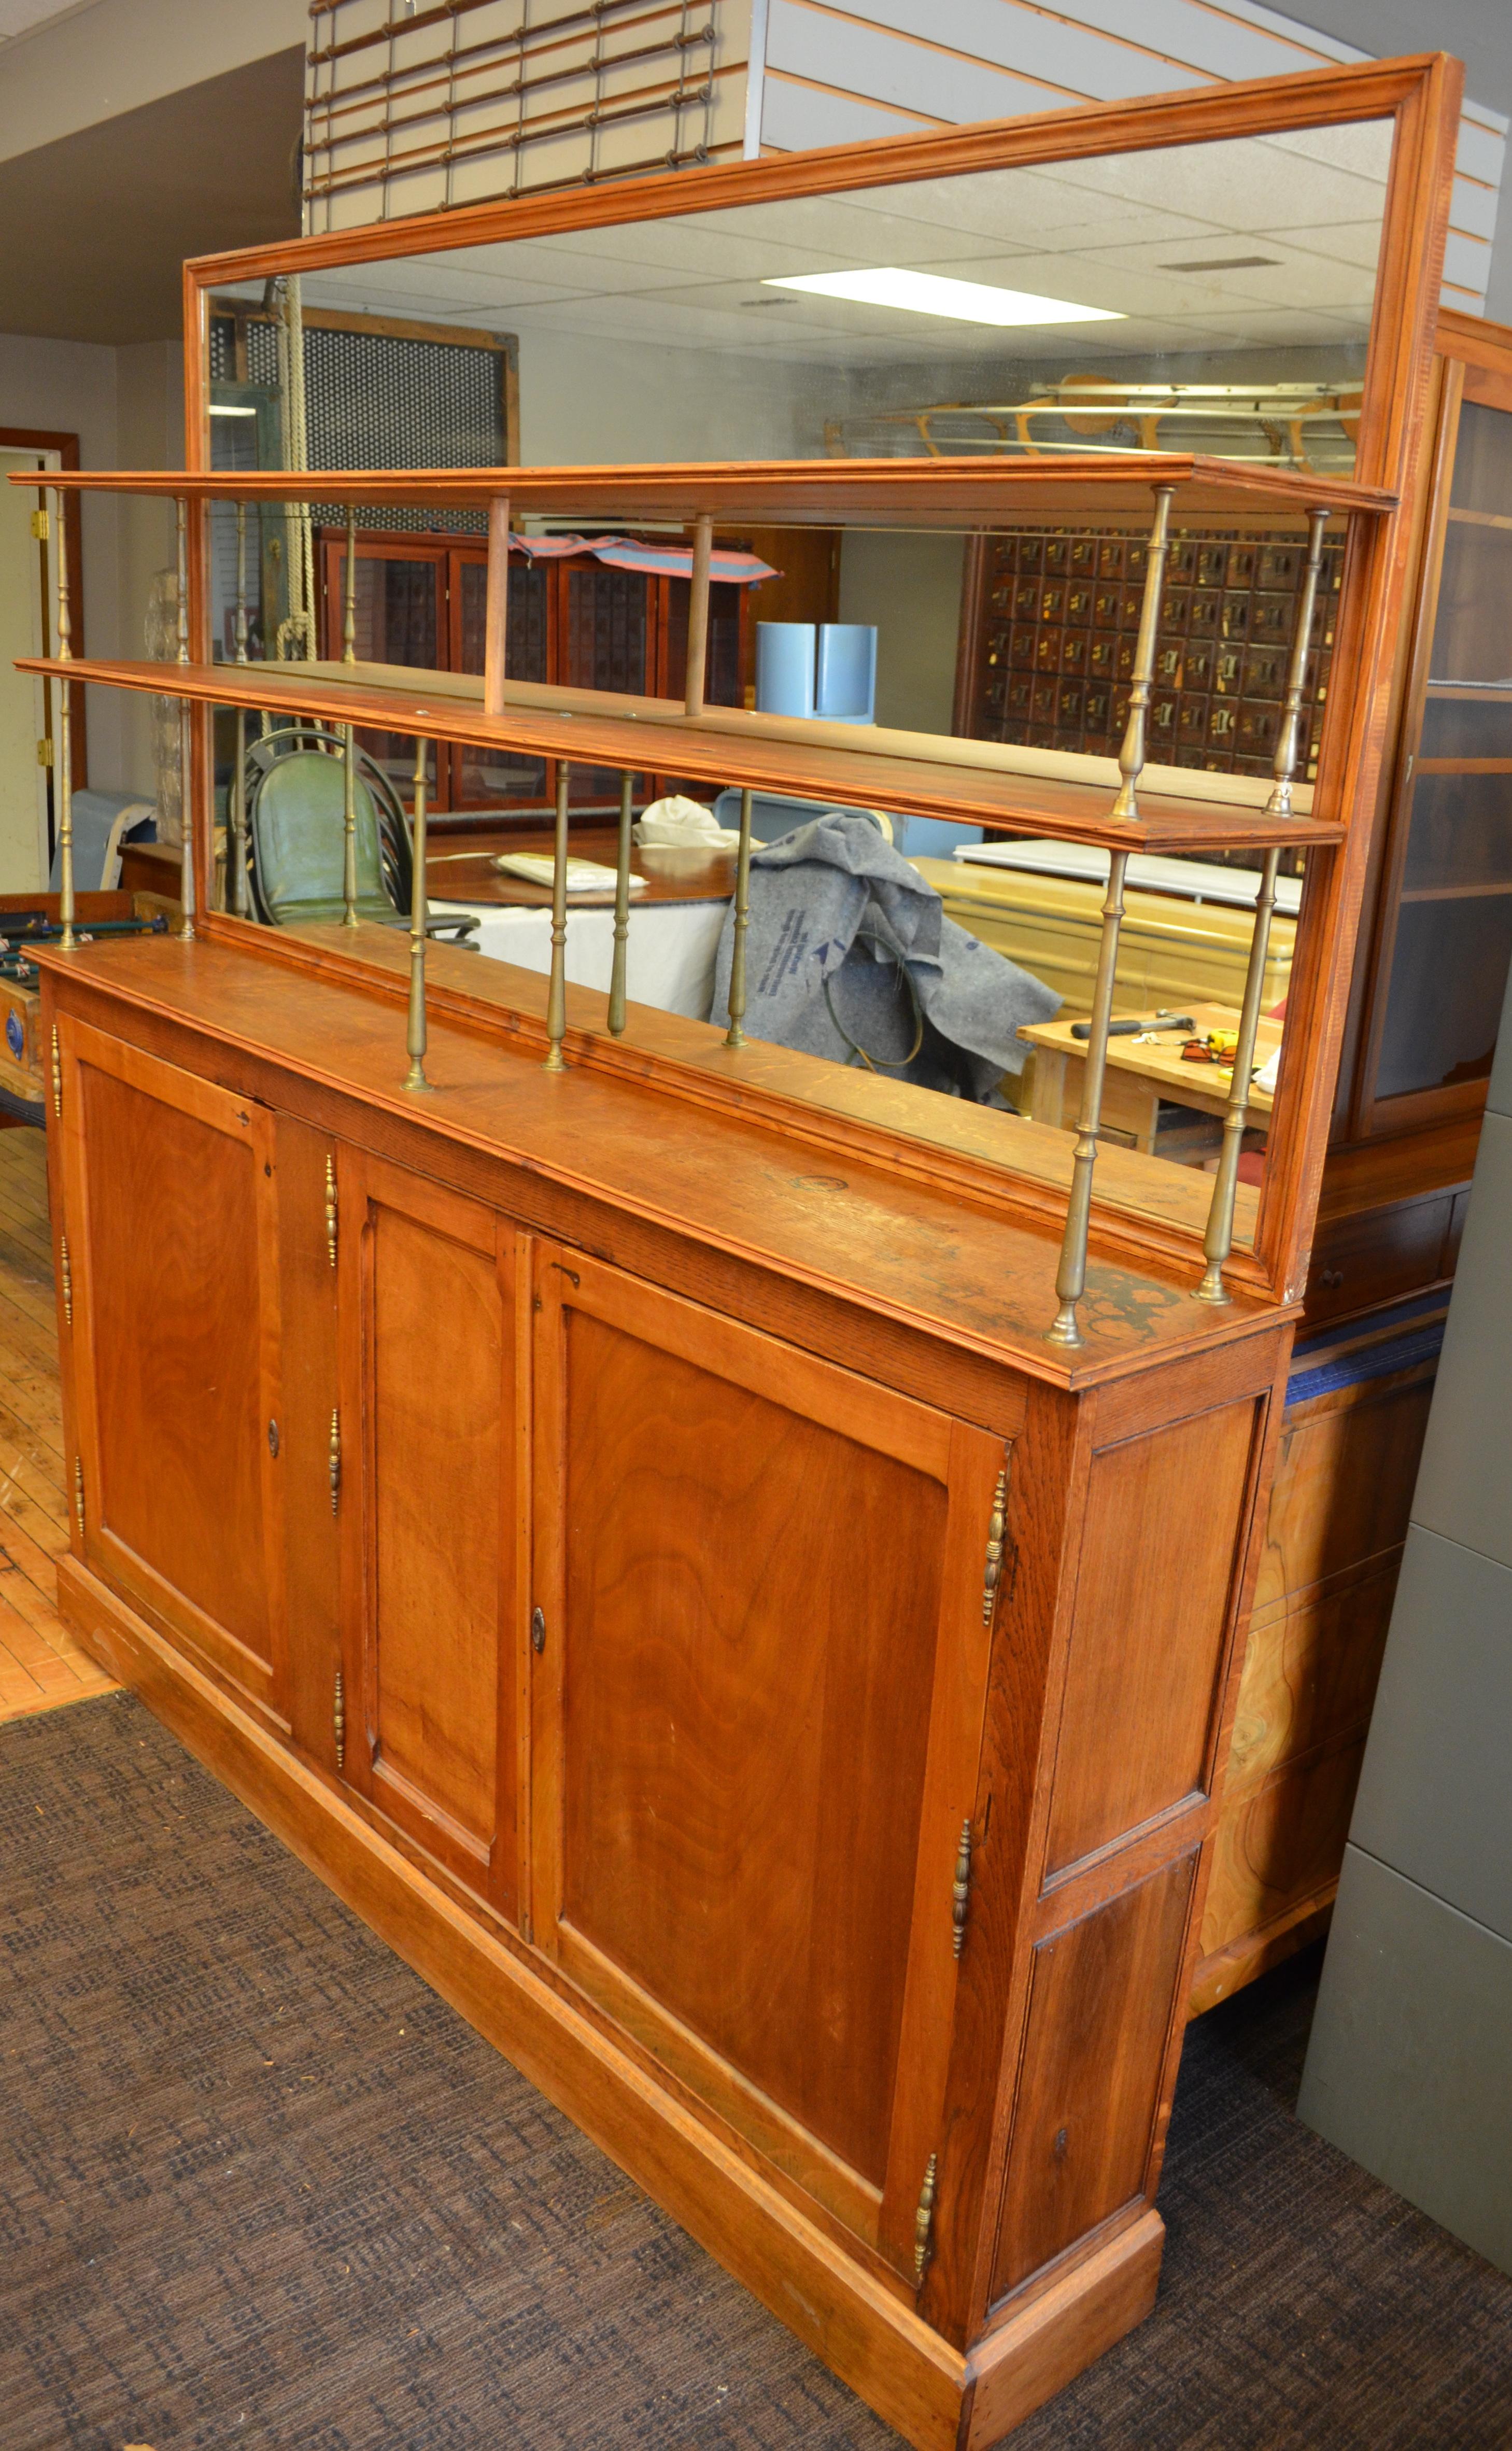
x,y
28,710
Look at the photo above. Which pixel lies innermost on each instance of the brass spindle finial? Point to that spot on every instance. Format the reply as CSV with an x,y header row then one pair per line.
x,y
348,825
419,915
556,992
1071,1278
65,719
240,899
735,1035
1131,752
182,540
187,881
1289,744
1219,1238
961,1889
187,884
621,963
349,590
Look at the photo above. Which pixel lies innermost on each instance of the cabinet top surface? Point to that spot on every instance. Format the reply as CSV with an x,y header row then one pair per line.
x,y
934,493
896,1247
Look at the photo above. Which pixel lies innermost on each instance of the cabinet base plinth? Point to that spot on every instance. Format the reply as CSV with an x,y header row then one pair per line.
x,y
936,2397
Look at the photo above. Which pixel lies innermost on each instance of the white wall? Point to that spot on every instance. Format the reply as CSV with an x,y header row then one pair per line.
x,y
69,388
593,400
909,587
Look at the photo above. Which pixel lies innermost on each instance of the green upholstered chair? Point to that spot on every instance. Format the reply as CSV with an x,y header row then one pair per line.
x,y
296,816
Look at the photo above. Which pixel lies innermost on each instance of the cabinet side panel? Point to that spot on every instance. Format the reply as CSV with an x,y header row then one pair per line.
x,y
439,1370
176,1336
1159,1556
752,1612
1099,2020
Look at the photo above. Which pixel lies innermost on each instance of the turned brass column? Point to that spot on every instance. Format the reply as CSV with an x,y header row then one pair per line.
x,y
556,992
617,974
65,753
1071,1278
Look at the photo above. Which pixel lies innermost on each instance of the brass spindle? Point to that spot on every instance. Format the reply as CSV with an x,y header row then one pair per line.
x,y
348,825
698,613
65,766
557,993
240,901
349,590
617,974
187,893
418,914
1218,1241
1288,746
1131,752
1070,1277
735,1035
496,605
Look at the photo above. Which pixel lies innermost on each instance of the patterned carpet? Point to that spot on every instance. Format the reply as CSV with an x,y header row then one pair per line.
x,y
258,2186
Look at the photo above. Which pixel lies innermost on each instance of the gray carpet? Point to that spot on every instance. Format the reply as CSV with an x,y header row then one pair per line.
x,y
258,2186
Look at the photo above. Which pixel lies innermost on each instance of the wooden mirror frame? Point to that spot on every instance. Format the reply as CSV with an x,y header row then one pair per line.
x,y
1422,97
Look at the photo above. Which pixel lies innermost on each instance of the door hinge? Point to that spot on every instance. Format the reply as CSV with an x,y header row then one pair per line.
x,y
336,1459
924,2220
67,1279
537,1629
57,1073
44,752
272,1440
78,1495
331,1210
41,526
339,1720
996,1524
961,1886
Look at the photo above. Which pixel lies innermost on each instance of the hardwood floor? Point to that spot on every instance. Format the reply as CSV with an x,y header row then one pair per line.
x,y
41,1666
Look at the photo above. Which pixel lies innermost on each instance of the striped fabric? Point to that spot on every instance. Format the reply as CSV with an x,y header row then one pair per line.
x,y
656,561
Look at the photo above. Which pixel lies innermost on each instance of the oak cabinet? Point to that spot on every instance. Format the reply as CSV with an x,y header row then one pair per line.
x,y
827,1733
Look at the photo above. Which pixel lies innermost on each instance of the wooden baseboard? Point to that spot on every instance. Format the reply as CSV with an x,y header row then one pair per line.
x,y
1227,1970
936,2398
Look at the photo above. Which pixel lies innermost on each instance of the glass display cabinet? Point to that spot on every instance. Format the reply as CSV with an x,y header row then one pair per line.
x,y
727,1536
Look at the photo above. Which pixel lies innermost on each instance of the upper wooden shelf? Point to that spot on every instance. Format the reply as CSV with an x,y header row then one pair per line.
x,y
905,493
723,746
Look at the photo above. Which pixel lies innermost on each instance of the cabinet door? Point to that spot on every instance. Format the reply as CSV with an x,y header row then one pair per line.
x,y
170,1210
757,1719
434,1635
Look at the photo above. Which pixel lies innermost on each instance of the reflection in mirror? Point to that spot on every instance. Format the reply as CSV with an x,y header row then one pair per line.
x,y
1210,298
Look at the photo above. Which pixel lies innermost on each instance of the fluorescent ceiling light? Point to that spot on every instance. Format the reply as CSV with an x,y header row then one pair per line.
x,y
931,293
220,408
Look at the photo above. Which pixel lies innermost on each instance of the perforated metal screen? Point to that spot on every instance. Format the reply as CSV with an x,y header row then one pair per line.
x,y
374,399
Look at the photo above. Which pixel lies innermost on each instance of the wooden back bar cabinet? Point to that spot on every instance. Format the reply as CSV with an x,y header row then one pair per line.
x,y
734,1566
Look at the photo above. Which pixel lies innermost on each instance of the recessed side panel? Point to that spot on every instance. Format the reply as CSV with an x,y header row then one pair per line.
x,y
1099,2020
1160,1554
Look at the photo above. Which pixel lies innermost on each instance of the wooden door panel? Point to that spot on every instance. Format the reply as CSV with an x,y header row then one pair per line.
x,y
170,1209
429,1538
754,1724
1099,2022
1153,1600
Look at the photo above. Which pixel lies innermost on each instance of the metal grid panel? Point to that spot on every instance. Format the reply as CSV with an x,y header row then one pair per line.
x,y
376,401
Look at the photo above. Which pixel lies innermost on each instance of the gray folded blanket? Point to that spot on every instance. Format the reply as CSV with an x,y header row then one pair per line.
x,y
849,954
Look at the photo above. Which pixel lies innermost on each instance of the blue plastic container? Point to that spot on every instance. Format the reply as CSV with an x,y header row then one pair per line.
x,y
784,674
845,687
